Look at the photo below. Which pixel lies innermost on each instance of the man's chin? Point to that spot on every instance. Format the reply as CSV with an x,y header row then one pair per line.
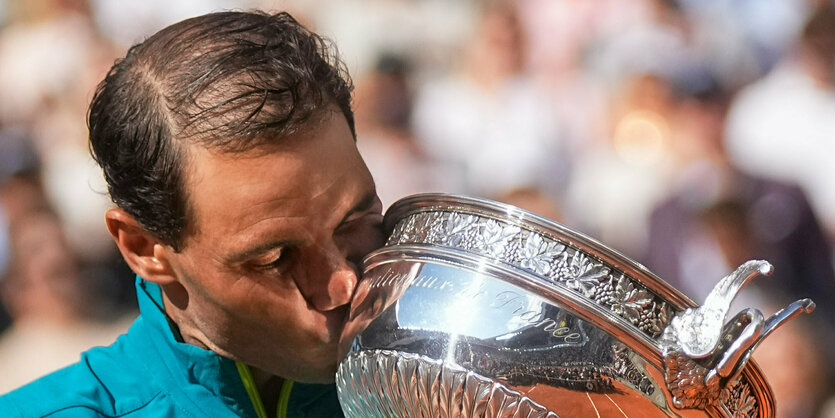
x,y
319,368
320,376
327,379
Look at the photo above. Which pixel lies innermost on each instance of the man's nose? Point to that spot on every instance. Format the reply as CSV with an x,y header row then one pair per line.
x,y
333,280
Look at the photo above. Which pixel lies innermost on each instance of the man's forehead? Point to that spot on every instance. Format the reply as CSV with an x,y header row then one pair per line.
x,y
323,168
323,145
280,175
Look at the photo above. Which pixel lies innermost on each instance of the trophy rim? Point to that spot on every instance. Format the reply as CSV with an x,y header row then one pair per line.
x,y
595,314
427,202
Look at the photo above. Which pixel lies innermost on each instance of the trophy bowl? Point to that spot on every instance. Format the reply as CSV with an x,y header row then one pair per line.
x,y
475,308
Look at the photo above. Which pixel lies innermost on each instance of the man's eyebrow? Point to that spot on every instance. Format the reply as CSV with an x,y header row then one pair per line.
x,y
368,201
257,250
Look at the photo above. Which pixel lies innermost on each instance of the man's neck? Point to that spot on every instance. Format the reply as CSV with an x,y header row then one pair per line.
x,y
269,387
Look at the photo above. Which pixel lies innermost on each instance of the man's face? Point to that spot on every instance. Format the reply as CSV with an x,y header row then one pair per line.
x,y
271,264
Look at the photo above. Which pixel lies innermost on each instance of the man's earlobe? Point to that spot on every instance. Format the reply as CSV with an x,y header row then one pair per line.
x,y
144,253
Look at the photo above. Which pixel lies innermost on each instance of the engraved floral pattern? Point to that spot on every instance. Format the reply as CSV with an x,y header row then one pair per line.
x,y
399,234
628,299
494,237
740,401
423,225
537,254
455,228
687,382
550,259
690,386
582,274
654,319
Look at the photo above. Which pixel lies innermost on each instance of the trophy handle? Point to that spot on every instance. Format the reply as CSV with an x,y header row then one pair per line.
x,y
737,356
703,354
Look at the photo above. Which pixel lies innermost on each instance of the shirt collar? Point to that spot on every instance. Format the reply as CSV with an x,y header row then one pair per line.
x,y
206,378
199,375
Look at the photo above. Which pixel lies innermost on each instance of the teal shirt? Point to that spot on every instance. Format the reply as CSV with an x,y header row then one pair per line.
x,y
149,373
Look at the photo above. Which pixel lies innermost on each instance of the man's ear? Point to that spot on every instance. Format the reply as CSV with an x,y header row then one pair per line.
x,y
143,252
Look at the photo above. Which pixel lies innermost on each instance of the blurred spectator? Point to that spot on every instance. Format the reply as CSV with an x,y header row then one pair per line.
x,y
48,303
620,177
742,216
426,32
718,217
623,171
383,103
127,23
43,277
3,6
768,28
488,122
52,56
728,36
782,126
46,91
658,39
560,35
20,193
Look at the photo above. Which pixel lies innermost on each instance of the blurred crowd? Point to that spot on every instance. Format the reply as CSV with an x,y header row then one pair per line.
x,y
691,135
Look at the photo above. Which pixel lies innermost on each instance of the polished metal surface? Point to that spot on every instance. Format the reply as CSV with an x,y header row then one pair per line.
x,y
475,308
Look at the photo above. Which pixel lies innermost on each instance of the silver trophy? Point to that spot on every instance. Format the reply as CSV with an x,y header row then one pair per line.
x,y
479,309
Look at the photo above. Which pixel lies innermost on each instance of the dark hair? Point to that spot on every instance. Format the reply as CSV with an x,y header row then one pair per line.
x,y
231,81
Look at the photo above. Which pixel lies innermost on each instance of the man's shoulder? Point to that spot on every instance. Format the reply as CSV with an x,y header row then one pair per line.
x,y
105,382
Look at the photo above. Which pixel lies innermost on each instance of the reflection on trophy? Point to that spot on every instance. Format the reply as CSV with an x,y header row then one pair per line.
x,y
479,309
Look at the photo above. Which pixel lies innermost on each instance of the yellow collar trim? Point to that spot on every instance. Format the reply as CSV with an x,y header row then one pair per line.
x,y
284,398
255,397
